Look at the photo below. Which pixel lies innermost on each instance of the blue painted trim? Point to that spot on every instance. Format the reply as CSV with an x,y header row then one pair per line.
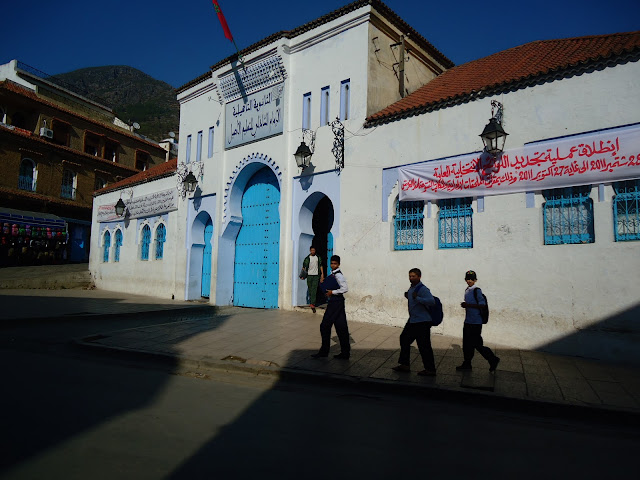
x,y
531,199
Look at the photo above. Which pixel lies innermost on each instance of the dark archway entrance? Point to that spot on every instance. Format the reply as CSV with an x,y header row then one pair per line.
x,y
322,239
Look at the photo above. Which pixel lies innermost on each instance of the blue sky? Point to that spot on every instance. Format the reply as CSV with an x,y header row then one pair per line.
x,y
178,41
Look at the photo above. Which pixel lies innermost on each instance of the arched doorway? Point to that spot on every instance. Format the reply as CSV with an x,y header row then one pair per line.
x,y
198,281
257,246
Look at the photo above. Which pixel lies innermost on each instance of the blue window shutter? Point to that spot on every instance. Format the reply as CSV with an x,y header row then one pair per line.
x,y
210,152
199,147
160,239
106,247
345,99
146,240
116,257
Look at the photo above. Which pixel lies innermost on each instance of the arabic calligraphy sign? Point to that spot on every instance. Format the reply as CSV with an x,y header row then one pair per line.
x,y
145,206
254,116
601,157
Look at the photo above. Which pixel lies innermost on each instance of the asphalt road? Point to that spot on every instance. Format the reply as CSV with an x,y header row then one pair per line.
x,y
70,414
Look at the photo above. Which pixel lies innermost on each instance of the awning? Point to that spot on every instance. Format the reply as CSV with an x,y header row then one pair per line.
x,y
35,219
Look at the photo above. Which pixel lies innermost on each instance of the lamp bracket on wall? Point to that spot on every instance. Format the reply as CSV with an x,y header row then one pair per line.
x,y
187,176
338,143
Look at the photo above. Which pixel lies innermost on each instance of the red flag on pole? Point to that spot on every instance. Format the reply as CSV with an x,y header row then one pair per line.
x,y
223,21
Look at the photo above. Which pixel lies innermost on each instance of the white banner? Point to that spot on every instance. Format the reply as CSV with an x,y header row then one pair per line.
x,y
145,206
255,116
601,157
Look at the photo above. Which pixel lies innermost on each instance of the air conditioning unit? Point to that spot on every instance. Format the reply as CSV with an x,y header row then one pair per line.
x,y
45,132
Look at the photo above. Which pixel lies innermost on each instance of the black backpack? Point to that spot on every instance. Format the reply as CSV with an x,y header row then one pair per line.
x,y
484,312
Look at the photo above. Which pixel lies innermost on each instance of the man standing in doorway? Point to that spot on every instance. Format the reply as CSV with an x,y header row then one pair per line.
x,y
312,264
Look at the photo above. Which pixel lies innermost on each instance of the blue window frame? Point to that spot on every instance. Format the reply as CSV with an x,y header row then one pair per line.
x,y
345,99
210,150
408,226
199,147
626,211
26,178
324,106
567,216
188,149
106,245
306,111
161,234
116,256
146,241
455,223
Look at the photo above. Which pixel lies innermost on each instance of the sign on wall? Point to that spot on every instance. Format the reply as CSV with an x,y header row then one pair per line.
x,y
601,157
145,206
254,116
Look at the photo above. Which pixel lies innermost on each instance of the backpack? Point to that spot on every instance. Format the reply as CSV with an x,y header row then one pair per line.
x,y
435,311
484,312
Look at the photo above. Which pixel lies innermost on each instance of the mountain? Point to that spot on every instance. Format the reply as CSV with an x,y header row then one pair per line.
x,y
133,95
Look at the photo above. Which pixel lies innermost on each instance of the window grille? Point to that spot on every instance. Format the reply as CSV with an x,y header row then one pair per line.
x,y
568,216
455,225
106,246
408,226
68,189
254,77
27,176
161,233
116,257
146,240
626,211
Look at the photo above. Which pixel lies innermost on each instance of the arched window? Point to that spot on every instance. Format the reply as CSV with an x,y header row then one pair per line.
x,y
27,177
116,257
100,183
161,234
68,189
146,240
106,245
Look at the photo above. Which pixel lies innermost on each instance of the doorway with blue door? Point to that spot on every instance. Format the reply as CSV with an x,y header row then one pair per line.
x,y
201,237
321,224
256,270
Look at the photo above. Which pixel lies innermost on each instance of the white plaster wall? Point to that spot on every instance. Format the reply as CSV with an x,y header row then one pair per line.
x,y
540,296
160,278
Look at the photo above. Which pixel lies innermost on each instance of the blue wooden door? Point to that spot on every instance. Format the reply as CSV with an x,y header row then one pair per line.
x,y
329,251
206,260
256,271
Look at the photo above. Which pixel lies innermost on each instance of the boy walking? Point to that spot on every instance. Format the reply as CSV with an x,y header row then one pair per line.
x,y
335,314
312,264
471,333
418,327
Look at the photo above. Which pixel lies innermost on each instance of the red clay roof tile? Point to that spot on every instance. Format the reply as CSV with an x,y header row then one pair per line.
x,y
513,67
153,173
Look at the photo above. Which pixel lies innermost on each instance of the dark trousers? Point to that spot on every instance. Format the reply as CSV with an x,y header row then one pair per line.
x,y
335,315
421,333
472,340
312,285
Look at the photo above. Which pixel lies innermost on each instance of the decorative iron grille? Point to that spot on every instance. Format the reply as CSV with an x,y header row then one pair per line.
x,y
106,247
408,226
626,211
568,216
455,225
256,76
161,234
116,257
146,240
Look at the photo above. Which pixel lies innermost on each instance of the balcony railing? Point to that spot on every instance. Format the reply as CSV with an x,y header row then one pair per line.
x,y
26,183
68,191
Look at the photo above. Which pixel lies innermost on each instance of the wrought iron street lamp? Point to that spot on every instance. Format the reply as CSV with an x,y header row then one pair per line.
x,y
493,136
120,207
303,155
190,183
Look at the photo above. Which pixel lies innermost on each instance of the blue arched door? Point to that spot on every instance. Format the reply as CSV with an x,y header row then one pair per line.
x,y
206,260
256,270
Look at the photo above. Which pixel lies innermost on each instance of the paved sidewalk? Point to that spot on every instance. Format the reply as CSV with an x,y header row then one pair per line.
x,y
279,343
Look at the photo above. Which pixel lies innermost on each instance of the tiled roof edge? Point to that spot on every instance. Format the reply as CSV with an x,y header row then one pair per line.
x,y
565,71
143,177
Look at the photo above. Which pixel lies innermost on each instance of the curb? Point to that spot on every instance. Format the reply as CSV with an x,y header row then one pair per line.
x,y
475,398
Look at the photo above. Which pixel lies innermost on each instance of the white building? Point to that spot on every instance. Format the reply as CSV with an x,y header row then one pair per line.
x,y
241,237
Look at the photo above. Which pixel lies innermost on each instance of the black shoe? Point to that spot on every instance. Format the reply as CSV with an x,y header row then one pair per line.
x,y
494,364
427,373
401,368
342,356
464,366
320,355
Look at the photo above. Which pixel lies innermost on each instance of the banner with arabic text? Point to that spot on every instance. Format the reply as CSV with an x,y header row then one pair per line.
x,y
601,157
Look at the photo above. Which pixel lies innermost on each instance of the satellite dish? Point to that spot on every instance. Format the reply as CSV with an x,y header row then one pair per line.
x,y
172,135
136,125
